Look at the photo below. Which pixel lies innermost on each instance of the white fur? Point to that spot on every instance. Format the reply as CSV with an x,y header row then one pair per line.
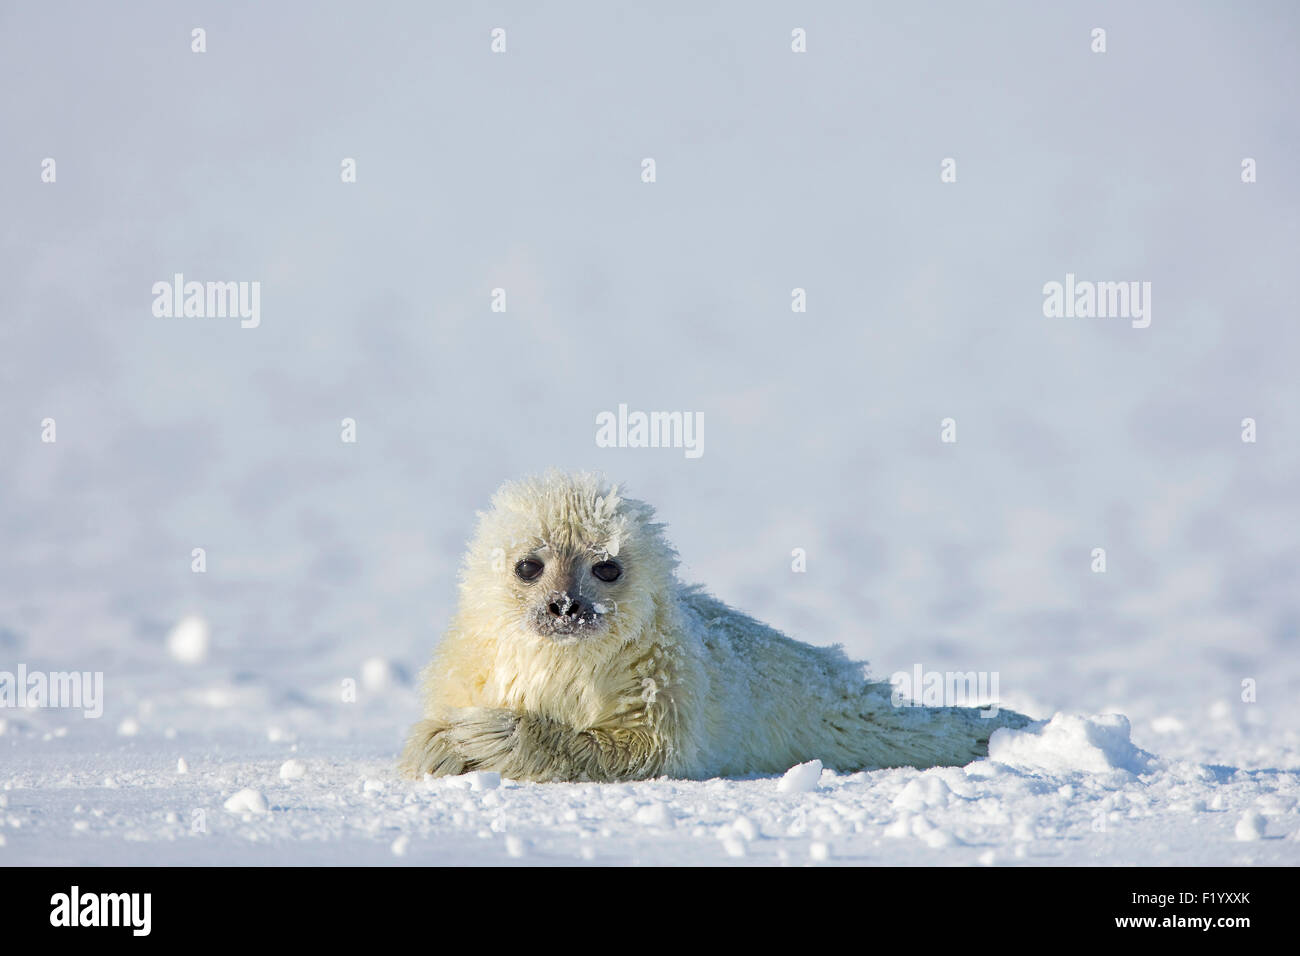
x,y
676,683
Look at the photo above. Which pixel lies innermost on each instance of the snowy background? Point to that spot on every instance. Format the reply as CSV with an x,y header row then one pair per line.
x,y
329,561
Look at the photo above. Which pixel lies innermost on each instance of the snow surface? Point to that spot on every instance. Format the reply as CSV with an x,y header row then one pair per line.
x,y
330,567
1072,790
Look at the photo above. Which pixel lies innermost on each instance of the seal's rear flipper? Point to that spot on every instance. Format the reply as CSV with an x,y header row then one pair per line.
x,y
934,736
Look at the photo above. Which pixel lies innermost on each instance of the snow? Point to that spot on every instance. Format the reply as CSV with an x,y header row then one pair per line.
x,y
189,639
801,778
1070,798
654,815
378,674
732,845
1250,826
247,801
331,567
477,780
1070,742
744,828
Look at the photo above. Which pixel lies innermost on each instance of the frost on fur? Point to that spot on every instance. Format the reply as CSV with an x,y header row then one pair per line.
x,y
575,654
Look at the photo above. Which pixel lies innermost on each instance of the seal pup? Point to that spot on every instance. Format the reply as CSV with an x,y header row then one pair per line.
x,y
576,654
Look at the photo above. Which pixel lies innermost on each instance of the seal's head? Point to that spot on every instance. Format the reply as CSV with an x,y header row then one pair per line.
x,y
564,559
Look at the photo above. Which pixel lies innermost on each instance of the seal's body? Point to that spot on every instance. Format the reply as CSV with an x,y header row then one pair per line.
x,y
576,654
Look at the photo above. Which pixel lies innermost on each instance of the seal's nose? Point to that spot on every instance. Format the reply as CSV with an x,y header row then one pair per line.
x,y
563,606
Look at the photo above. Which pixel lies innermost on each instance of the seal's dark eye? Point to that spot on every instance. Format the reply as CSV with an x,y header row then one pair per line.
x,y
607,570
528,569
